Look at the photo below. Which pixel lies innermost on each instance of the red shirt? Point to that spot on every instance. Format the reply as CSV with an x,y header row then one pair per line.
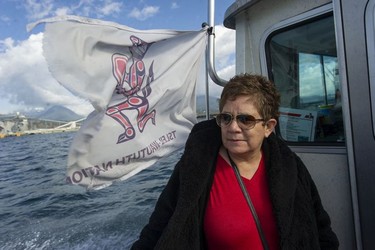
x,y
228,222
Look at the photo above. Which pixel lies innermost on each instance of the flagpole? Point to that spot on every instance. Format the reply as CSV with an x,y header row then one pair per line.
x,y
207,92
210,55
211,45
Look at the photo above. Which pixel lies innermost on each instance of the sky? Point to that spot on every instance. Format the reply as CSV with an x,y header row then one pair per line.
x,y
27,85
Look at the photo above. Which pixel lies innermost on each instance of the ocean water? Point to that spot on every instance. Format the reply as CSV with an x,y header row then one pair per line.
x,y
39,211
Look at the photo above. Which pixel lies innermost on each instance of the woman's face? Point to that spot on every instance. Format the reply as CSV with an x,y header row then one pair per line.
x,y
240,141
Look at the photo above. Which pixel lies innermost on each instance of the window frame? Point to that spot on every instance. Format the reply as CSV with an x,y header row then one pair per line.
x,y
370,41
265,59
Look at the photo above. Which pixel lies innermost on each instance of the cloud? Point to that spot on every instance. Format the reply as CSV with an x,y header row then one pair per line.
x,y
40,9
25,79
145,13
174,5
224,45
5,19
62,11
110,8
6,44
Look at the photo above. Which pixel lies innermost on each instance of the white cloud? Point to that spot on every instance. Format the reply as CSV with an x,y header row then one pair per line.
x,y
62,11
25,79
110,8
227,72
145,13
6,44
224,45
5,19
38,9
175,5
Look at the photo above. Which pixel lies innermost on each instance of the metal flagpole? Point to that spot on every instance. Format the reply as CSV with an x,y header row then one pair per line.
x,y
211,45
207,91
210,54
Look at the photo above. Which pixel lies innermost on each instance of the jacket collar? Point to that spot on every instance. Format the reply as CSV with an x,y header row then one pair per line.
x,y
281,170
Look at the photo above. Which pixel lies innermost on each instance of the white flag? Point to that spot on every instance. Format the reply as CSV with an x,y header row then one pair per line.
x,y
141,84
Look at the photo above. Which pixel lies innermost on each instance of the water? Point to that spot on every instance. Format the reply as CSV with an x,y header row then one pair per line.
x,y
39,211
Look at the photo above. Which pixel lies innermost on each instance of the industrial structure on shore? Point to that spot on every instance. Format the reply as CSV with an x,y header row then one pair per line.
x,y
18,124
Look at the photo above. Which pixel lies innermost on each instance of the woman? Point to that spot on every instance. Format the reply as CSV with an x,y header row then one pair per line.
x,y
203,205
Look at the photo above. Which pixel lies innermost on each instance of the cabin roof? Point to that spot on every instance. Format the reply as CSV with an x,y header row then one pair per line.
x,y
232,11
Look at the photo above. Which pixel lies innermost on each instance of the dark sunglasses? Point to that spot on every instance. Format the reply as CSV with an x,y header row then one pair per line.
x,y
243,121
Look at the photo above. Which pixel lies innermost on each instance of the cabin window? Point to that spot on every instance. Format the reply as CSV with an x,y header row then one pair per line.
x,y
302,62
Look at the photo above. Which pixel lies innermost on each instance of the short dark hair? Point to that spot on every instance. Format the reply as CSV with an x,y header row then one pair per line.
x,y
266,98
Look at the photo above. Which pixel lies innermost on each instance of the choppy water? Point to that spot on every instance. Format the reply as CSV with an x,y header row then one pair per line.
x,y
39,211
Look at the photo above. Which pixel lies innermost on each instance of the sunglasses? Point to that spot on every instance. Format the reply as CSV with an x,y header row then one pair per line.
x,y
243,121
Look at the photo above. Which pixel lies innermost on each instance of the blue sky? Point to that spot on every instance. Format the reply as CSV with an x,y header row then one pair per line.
x,y
26,84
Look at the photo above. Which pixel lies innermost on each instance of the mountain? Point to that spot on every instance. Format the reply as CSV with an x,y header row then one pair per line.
x,y
58,113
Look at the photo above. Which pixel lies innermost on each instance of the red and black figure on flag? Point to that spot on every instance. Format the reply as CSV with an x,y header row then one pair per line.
x,y
129,83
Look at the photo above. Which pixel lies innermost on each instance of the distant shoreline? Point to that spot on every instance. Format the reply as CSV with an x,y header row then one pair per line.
x,y
35,132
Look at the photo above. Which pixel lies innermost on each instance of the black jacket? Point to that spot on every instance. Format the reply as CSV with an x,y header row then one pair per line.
x,y
177,221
